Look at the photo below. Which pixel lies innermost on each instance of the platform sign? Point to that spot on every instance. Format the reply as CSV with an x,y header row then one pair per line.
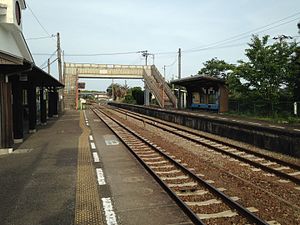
x,y
81,85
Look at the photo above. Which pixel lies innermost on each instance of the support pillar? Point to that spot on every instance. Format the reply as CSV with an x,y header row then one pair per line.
x,y
6,119
50,104
43,106
55,103
31,99
17,110
146,96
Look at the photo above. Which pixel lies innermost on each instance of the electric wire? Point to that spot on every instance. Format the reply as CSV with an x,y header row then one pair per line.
x,y
102,54
37,19
50,63
248,33
51,55
215,45
172,62
39,38
41,25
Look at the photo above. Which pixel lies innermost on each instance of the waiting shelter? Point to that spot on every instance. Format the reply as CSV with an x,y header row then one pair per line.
x,y
203,92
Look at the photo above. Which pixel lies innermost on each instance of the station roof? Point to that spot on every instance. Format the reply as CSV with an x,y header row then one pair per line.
x,y
10,65
42,78
198,80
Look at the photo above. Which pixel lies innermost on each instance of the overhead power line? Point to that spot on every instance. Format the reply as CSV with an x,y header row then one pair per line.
x,y
39,38
250,32
51,55
214,45
173,63
99,54
41,25
53,61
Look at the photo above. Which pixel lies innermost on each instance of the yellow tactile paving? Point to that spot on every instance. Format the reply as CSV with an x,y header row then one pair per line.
x,y
87,206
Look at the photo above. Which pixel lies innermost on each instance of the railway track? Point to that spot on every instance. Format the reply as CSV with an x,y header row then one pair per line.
x,y
281,168
198,198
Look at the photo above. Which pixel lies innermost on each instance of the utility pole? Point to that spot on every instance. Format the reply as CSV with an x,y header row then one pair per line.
x,y
59,65
49,66
179,63
179,77
59,58
146,54
165,72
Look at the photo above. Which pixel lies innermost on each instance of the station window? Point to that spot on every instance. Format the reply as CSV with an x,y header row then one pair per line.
x,y
212,98
196,98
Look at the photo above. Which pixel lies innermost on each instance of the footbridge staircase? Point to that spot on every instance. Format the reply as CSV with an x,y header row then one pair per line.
x,y
159,88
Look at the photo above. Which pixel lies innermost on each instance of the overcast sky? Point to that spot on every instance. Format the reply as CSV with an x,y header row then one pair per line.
x,y
159,26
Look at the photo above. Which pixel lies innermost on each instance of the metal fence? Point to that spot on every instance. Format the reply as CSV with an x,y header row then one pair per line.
x,y
261,108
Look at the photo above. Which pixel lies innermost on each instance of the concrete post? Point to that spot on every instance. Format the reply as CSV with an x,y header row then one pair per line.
x,y
146,96
17,110
55,103
31,99
50,104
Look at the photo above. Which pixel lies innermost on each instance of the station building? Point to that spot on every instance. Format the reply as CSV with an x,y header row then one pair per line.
x,y
202,92
28,95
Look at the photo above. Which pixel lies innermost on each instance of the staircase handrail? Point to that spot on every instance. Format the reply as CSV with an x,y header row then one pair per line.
x,y
157,75
154,89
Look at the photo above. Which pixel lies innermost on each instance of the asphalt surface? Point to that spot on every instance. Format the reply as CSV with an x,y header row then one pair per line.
x,y
37,181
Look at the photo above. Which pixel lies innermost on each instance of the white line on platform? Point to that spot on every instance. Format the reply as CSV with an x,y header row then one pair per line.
x,y
258,124
109,212
91,138
296,129
100,176
96,157
279,127
93,146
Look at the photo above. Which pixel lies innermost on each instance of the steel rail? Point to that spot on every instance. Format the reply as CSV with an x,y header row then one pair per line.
x,y
253,163
193,217
258,154
242,210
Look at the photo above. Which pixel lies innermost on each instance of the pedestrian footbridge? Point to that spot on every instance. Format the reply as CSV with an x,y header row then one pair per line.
x,y
154,82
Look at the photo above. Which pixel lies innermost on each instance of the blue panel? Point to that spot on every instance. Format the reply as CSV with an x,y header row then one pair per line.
x,y
205,106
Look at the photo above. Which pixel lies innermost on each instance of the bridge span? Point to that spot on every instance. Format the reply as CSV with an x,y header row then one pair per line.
x,y
154,82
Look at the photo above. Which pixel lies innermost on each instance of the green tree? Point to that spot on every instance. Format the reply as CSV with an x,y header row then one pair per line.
x,y
138,95
268,69
135,95
216,68
223,70
117,91
295,79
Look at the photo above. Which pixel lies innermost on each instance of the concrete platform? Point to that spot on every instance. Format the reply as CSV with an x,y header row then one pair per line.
x,y
37,181
51,179
136,197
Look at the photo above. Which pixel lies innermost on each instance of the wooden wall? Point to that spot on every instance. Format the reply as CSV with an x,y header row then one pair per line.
x,y
6,121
